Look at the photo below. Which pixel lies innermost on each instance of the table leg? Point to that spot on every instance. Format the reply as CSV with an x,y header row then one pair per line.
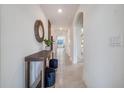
x,y
43,74
27,74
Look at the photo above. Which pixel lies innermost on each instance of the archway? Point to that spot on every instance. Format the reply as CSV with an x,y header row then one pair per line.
x,y
78,38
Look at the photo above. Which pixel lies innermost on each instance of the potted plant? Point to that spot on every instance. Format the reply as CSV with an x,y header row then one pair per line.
x,y
48,43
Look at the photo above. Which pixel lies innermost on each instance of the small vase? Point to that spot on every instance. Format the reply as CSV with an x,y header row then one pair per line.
x,y
47,48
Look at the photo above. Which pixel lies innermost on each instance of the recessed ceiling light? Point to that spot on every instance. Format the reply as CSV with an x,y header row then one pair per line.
x,y
82,30
61,28
59,10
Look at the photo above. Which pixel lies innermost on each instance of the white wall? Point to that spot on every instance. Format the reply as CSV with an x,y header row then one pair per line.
x,y
18,41
0,47
104,62
68,43
71,42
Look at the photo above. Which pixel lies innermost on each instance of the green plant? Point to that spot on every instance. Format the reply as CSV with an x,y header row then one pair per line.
x,y
48,42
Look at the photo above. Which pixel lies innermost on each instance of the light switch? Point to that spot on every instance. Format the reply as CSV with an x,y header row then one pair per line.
x,y
115,41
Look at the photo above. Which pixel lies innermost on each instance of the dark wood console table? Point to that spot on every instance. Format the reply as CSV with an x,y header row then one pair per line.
x,y
41,56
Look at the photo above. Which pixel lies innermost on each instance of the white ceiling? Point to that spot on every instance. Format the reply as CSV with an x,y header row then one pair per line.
x,y
63,19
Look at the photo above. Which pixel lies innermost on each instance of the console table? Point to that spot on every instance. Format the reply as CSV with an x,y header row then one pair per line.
x,y
41,56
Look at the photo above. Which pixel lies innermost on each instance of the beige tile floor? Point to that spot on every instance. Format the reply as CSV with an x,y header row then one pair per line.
x,y
68,75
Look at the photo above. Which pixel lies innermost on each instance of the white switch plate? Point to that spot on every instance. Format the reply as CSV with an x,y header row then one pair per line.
x,y
115,41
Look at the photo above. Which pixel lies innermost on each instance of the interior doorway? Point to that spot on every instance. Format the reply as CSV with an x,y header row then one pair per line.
x,y
78,38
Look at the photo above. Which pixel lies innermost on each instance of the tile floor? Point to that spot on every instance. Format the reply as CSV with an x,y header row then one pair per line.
x,y
68,75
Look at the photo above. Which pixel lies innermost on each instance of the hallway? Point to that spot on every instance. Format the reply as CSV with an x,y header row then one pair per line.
x,y
92,37
68,75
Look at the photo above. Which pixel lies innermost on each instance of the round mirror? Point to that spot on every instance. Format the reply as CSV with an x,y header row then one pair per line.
x,y
39,30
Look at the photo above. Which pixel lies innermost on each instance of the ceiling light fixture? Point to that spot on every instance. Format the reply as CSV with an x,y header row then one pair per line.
x,y
59,10
60,28
82,30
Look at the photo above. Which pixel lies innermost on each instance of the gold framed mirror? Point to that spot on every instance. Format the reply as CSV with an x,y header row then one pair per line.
x,y
39,30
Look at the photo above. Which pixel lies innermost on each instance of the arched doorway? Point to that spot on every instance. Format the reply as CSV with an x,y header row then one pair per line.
x,y
78,38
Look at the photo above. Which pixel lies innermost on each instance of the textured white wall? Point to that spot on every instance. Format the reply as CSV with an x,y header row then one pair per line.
x,y
104,63
18,41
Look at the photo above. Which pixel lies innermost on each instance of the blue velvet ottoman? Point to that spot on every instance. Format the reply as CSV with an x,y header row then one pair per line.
x,y
50,77
53,63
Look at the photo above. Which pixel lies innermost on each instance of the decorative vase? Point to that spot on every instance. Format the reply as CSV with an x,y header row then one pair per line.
x,y
47,48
